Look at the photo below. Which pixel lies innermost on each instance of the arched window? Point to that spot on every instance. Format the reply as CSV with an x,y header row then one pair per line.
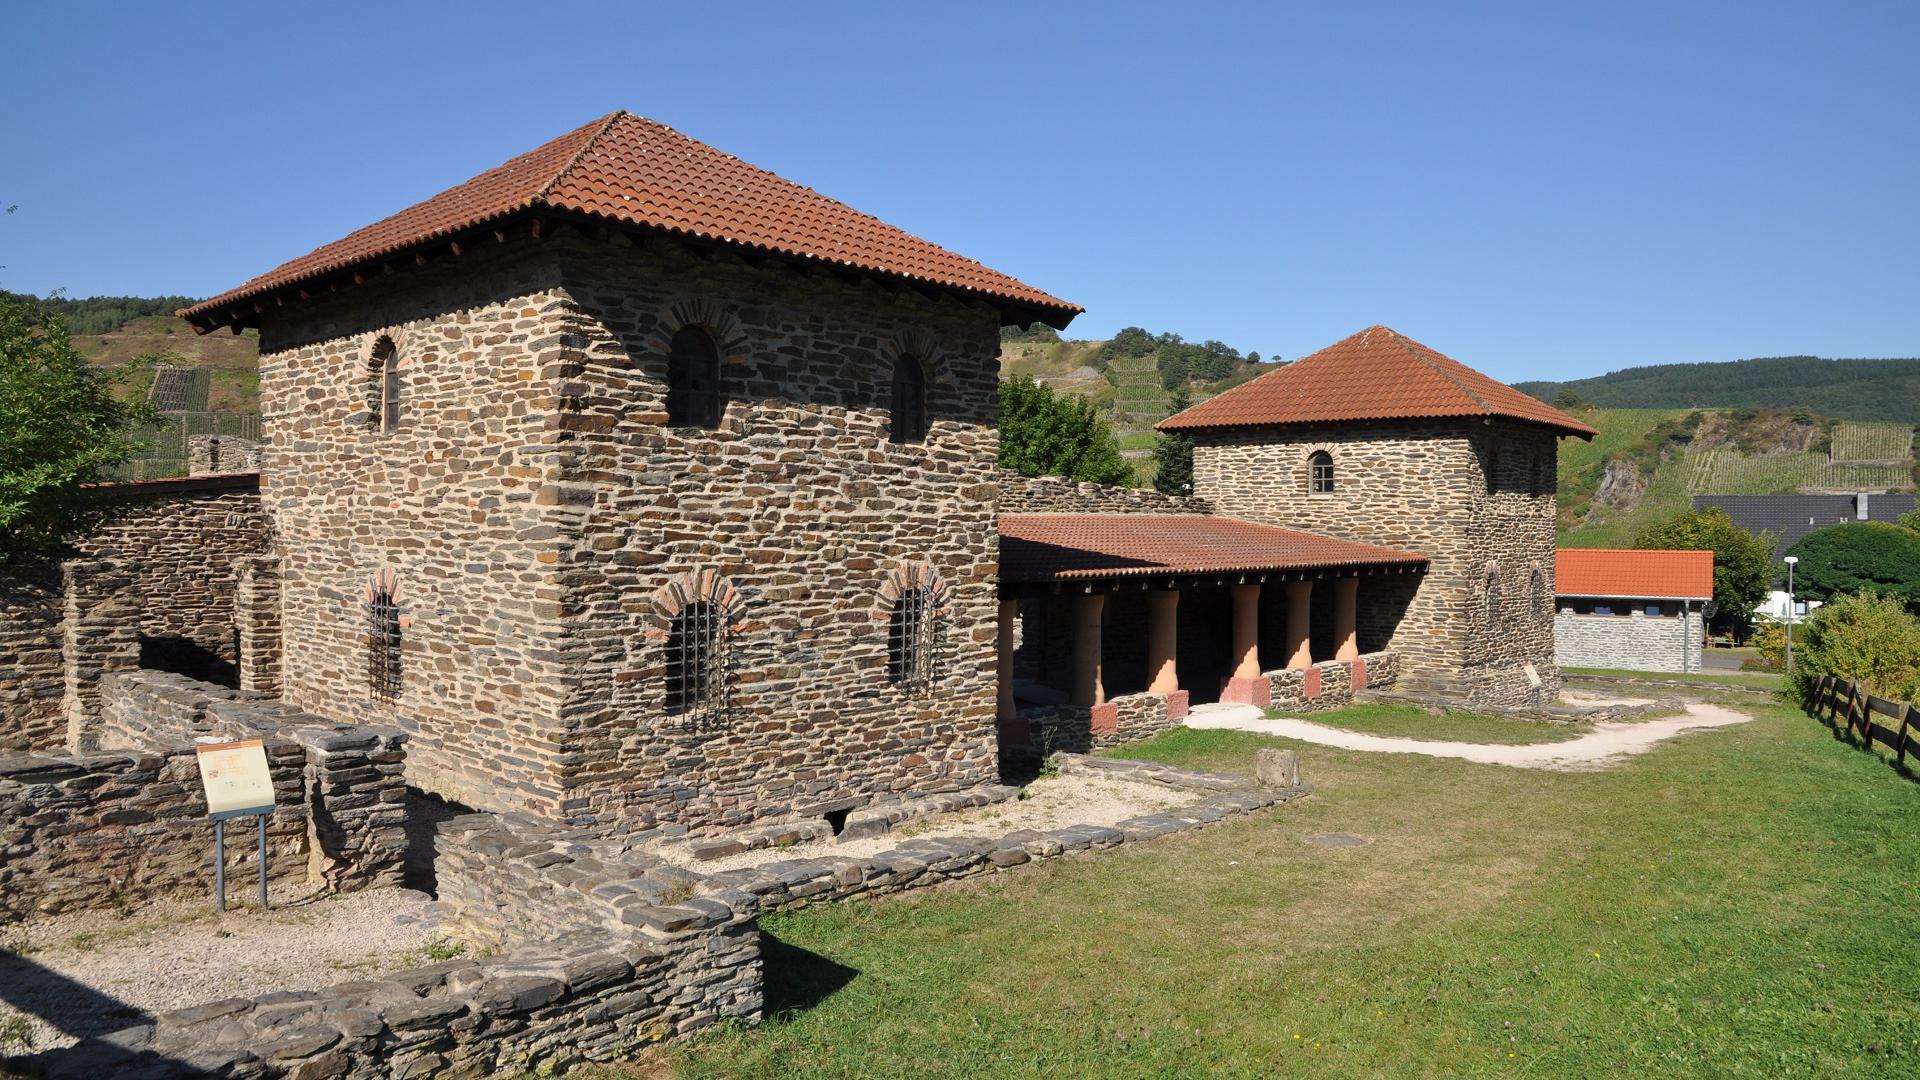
x,y
698,665
910,420
383,642
693,380
1320,473
383,385
913,639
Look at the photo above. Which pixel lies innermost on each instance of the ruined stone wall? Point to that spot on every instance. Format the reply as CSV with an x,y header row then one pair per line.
x,y
799,511
1637,642
154,585
457,509
213,455
1058,495
1419,486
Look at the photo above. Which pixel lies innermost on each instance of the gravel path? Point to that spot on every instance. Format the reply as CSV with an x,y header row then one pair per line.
x,y
1053,803
86,973
1609,743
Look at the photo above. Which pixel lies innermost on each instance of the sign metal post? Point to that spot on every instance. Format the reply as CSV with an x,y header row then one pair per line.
x,y
238,784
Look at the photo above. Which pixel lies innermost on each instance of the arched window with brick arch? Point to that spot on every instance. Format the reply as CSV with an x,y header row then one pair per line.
x,y
695,624
908,420
914,607
694,393
383,385
1320,473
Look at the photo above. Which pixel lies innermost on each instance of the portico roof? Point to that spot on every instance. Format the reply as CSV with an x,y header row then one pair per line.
x,y
1040,548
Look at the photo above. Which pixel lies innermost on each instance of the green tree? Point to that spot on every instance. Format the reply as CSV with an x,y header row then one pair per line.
x,y
1911,519
1859,556
1742,561
61,429
1045,434
1173,463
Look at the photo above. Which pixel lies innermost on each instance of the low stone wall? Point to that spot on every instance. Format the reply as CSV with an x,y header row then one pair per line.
x,y
1636,642
1329,684
1058,495
33,681
539,1010
102,829
90,830
1079,729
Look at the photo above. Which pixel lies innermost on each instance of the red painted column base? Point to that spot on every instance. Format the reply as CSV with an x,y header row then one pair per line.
x,y
1251,690
1359,674
1177,705
1310,683
1106,719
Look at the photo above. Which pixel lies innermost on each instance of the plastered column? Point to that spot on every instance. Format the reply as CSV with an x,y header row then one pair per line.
x,y
1346,593
1163,609
1087,611
1246,685
1299,606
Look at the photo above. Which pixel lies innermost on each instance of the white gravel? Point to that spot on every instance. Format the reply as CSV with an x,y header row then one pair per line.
x,y
1610,741
86,973
1052,803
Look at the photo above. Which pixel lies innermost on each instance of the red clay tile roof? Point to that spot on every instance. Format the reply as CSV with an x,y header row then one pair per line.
x,y
1053,547
633,171
1653,575
1377,374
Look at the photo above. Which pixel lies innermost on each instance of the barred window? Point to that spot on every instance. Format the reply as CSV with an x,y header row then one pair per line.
x,y
699,675
913,640
383,645
910,422
694,398
1320,472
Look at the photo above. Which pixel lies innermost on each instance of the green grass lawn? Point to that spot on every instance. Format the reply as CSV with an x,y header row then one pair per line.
x,y
1407,721
1735,903
1763,680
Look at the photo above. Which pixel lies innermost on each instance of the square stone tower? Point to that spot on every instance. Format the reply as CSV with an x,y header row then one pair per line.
x,y
642,486
1381,439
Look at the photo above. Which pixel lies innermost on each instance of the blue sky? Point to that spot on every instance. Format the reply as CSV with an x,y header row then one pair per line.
x,y
1540,190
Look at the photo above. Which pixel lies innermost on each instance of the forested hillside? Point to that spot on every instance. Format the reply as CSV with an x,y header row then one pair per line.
x,y
1844,389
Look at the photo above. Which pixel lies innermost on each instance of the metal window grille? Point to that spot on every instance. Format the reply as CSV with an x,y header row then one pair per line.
x,y
693,380
1322,472
699,667
383,646
909,421
913,640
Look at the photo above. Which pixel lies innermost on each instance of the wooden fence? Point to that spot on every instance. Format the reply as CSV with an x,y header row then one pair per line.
x,y
1858,713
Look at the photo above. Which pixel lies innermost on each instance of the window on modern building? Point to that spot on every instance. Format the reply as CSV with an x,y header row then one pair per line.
x,y
1320,473
698,665
913,640
694,397
1653,609
1602,609
383,645
909,422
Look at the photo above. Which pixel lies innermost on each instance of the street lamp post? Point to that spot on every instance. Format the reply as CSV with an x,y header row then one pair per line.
x,y
1790,560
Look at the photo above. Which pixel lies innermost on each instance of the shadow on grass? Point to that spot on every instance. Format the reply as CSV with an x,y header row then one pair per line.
x,y
798,979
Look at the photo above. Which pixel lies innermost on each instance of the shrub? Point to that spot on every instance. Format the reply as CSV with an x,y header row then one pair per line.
x,y
1865,638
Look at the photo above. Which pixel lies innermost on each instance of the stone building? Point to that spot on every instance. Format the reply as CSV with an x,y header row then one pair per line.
x,y
640,486
1382,440
1639,610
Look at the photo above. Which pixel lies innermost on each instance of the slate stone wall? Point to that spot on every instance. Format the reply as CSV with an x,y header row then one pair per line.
x,y
1058,495
154,586
213,455
1476,498
1636,642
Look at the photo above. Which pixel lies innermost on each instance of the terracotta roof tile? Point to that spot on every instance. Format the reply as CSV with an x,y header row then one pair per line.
x,y
633,171
1377,374
1052,547
1662,575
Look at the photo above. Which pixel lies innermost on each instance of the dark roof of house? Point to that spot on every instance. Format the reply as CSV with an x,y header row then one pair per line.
x,y
1377,374
1791,517
177,485
1651,575
630,171
1061,547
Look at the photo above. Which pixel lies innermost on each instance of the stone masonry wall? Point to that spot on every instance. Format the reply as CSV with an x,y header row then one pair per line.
x,y
1635,642
801,510
164,567
1058,495
1420,486
213,455
81,830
